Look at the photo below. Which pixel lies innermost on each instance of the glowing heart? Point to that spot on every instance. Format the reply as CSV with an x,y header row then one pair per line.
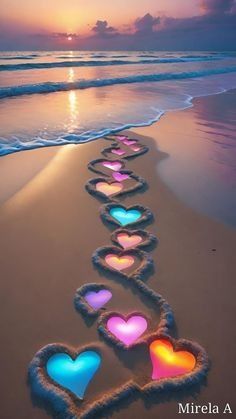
x,y
168,363
120,176
119,263
114,165
118,151
74,374
97,299
127,241
121,137
127,331
135,148
125,216
109,188
129,142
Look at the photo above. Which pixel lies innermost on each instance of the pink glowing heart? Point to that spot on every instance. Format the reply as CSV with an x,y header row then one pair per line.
x,y
119,263
113,165
135,148
118,151
109,189
121,137
120,176
97,299
129,142
127,331
127,241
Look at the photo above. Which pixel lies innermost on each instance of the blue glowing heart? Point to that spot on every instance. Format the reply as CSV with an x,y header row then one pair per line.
x,y
74,375
125,216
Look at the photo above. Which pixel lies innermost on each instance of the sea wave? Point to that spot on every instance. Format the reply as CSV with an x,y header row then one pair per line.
x,y
50,87
96,63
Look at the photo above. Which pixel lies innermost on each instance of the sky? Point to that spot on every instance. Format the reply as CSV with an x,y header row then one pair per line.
x,y
118,24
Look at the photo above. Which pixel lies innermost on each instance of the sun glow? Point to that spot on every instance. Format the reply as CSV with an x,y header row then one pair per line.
x,y
69,38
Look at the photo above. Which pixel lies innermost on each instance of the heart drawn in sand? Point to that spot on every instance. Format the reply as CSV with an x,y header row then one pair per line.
x,y
120,176
118,151
169,363
121,137
109,188
135,148
97,299
119,262
113,165
73,374
128,240
129,142
125,216
127,331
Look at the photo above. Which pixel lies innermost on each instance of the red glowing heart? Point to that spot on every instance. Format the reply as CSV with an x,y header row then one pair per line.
x,y
169,363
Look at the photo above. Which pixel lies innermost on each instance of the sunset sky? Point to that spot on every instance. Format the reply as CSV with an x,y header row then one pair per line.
x,y
118,24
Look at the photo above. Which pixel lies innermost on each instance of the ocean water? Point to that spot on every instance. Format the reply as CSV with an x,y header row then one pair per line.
x,y
62,97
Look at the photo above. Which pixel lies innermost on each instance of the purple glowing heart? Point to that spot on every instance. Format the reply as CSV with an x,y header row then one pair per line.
x,y
97,299
127,331
120,176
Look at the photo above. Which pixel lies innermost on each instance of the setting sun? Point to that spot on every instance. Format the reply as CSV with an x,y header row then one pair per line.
x,y
69,38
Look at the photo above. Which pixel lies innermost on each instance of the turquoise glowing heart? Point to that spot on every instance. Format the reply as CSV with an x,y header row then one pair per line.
x,y
125,216
74,374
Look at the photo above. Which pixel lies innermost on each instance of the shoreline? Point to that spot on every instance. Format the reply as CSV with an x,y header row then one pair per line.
x,y
47,227
128,127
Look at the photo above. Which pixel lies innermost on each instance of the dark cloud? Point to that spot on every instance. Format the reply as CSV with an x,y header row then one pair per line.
x,y
146,24
217,6
102,29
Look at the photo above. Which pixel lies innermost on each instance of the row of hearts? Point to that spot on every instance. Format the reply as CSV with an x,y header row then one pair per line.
x,y
72,371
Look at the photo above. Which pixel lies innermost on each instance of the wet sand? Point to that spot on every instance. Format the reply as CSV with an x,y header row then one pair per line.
x,y
50,227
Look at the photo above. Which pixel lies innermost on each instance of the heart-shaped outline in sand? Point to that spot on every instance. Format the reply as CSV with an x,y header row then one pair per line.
x,y
91,186
145,262
59,399
148,240
94,163
169,386
82,305
146,215
108,152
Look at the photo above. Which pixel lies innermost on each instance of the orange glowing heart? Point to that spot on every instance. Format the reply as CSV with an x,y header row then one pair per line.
x,y
119,263
168,363
127,241
109,188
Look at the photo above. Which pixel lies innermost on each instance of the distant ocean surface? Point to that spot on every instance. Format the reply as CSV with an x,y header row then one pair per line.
x,y
52,98
56,98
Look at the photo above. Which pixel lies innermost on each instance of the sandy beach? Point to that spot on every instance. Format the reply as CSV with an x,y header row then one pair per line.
x,y
50,227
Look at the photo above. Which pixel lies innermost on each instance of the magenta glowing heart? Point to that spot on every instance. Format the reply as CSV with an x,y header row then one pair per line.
x,y
120,176
121,137
118,151
113,165
129,142
97,299
127,331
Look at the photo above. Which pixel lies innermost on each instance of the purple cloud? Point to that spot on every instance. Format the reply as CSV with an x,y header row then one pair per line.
x,y
146,24
217,6
102,29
